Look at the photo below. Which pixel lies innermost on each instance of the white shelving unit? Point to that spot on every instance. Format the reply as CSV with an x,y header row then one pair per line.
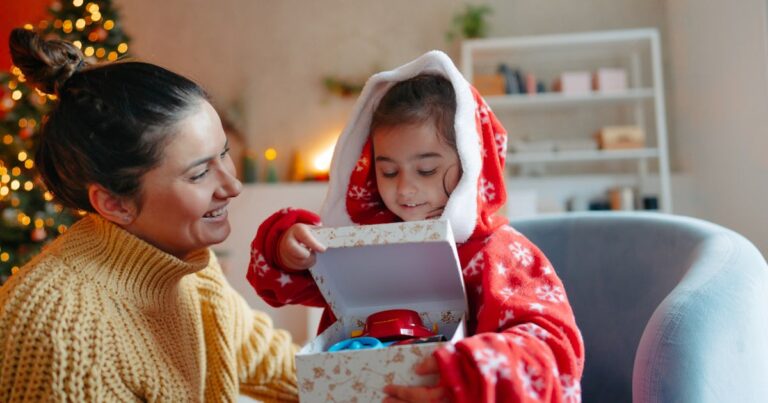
x,y
642,103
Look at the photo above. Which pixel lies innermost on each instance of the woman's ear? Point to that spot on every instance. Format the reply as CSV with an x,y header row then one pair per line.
x,y
117,209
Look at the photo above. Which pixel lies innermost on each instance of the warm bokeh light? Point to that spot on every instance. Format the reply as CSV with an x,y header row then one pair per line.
x,y
270,154
322,162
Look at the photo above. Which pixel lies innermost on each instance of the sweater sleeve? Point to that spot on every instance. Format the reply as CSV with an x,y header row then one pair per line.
x,y
273,282
263,355
50,344
526,346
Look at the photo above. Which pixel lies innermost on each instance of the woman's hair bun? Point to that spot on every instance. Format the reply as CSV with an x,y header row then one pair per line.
x,y
46,64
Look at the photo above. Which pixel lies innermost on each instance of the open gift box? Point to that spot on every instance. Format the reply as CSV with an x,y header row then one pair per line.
x,y
372,268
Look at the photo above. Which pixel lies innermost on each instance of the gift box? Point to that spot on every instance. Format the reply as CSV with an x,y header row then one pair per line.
x,y
373,268
574,83
609,80
621,137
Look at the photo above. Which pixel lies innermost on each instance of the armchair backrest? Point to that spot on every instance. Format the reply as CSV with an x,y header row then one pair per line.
x,y
692,295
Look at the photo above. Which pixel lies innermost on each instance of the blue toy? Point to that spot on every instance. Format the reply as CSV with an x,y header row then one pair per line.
x,y
358,343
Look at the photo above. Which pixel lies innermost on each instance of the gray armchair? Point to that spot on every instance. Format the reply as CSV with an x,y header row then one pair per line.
x,y
672,309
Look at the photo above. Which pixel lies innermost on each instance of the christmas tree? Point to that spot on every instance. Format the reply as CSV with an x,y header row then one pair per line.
x,y
29,216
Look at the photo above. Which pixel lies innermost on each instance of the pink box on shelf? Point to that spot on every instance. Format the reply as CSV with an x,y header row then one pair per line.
x,y
372,268
574,82
610,80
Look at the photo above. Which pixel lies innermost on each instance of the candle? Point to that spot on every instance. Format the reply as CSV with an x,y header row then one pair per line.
x,y
250,167
271,154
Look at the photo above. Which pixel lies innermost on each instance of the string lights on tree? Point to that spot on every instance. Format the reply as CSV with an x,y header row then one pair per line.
x,y
29,215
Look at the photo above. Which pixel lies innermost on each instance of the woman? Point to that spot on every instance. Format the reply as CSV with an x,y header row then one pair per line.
x,y
130,304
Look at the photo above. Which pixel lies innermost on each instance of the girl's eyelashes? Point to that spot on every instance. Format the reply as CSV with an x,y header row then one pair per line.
x,y
421,172
427,172
224,153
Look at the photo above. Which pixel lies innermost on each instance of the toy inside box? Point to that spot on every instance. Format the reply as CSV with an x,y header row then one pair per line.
x,y
368,269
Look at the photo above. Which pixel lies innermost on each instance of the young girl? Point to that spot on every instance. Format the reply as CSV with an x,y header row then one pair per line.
x,y
423,144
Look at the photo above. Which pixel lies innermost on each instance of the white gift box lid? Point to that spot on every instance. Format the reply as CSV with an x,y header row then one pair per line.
x,y
370,268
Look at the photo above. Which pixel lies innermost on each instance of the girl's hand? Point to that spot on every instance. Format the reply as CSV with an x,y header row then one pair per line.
x,y
297,247
435,394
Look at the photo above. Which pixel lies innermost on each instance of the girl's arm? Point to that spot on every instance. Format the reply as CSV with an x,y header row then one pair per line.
x,y
273,281
526,345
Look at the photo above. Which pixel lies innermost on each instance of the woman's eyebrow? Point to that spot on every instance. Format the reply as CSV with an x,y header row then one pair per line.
x,y
205,160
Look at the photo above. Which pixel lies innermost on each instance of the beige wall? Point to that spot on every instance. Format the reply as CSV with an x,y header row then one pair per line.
x,y
718,86
271,56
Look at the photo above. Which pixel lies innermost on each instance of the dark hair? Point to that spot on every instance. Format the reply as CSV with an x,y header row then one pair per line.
x,y
111,122
423,98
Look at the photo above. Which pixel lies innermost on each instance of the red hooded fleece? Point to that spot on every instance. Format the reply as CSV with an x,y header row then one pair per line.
x,y
524,345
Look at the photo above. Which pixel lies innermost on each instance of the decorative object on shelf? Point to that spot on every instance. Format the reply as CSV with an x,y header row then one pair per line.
x,y
620,137
342,87
29,217
490,84
573,82
271,171
250,166
470,24
298,172
518,82
511,79
609,80
622,198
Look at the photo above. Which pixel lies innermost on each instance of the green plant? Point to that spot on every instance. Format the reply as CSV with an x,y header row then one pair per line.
x,y
471,23
341,87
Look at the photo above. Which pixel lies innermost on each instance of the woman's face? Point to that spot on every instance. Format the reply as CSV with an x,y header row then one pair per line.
x,y
184,199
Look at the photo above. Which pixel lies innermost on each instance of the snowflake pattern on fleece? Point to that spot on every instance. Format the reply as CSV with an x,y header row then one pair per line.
x,y
524,344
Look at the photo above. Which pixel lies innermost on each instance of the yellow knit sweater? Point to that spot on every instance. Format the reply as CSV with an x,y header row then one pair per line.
x,y
101,315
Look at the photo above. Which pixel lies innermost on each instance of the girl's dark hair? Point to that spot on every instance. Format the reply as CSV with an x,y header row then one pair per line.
x,y
423,98
111,122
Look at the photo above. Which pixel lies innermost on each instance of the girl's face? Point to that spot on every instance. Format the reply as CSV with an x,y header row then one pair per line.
x,y
184,199
415,171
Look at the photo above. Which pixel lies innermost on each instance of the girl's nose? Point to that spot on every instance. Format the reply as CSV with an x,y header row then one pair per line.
x,y
405,186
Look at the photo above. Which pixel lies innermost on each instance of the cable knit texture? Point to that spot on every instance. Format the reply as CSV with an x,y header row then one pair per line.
x,y
101,315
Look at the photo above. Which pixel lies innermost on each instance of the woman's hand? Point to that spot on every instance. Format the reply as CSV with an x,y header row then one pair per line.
x,y
297,247
434,394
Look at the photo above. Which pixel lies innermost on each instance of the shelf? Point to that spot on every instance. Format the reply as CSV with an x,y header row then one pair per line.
x,y
520,101
637,51
580,155
622,40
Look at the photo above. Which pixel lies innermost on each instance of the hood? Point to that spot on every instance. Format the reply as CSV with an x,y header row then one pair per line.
x,y
481,143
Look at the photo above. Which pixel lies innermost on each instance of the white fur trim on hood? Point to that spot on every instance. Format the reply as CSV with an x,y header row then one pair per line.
x,y
461,209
